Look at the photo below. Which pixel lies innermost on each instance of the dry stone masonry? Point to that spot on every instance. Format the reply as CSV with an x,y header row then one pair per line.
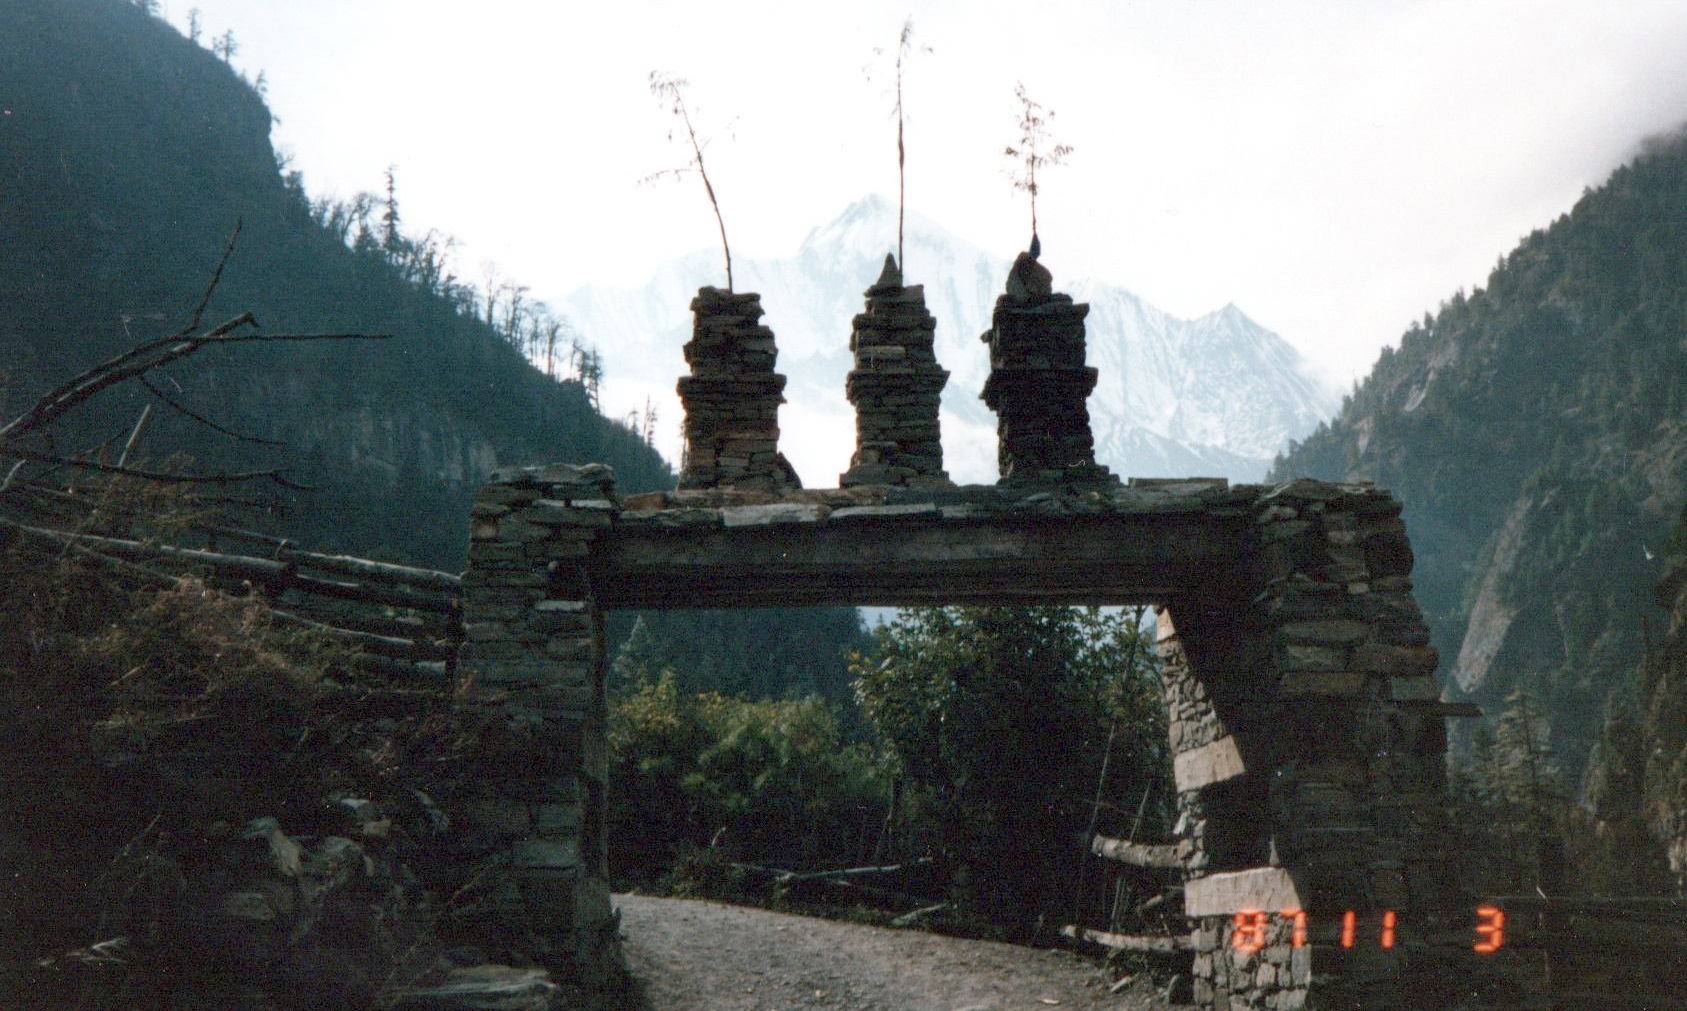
x,y
895,388
1039,383
732,397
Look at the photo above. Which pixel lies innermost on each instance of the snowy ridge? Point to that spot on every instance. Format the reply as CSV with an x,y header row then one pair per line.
x,y
1214,396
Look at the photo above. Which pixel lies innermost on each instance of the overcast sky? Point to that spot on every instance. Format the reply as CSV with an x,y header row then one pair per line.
x,y
1333,168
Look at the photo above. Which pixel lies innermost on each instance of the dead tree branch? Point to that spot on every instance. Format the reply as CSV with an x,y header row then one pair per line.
x,y
141,359
218,477
670,91
216,279
189,413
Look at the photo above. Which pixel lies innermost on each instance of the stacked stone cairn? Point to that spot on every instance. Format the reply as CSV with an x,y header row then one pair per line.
x,y
895,387
1038,383
732,398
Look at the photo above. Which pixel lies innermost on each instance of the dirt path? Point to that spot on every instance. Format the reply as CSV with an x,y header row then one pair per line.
x,y
704,956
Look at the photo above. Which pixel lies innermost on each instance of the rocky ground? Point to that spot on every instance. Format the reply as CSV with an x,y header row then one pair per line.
x,y
687,955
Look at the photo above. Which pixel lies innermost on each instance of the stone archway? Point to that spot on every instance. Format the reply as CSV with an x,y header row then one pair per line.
x,y
1305,722
1308,737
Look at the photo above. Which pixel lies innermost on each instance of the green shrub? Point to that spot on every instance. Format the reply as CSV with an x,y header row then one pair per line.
x,y
770,783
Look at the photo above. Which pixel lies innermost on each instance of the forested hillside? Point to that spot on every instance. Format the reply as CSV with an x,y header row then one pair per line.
x,y
128,154
1536,430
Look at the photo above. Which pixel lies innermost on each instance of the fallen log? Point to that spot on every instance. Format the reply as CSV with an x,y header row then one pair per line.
x,y
280,549
908,919
372,703
1663,904
1159,900
429,650
480,986
854,872
367,568
133,570
410,655
886,895
343,613
837,880
380,572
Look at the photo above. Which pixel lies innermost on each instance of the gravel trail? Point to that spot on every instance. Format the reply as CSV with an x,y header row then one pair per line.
x,y
689,955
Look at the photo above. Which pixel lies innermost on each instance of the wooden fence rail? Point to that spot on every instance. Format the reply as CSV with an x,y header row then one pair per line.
x,y
1167,855
1151,944
404,623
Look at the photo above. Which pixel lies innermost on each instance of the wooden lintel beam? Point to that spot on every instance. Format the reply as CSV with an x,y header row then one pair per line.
x,y
1116,560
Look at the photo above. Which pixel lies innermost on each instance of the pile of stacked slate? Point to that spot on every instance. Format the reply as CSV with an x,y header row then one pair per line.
x,y
1038,383
895,388
732,398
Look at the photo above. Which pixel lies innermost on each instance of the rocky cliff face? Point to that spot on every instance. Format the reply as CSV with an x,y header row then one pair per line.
x,y
1534,431
1664,726
1636,783
1664,694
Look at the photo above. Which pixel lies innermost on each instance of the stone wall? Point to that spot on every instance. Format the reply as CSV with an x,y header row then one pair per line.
x,y
1311,760
1356,675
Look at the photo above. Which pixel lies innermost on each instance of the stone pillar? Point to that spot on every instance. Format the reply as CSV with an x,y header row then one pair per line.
x,y
1039,383
1314,714
895,387
1352,658
531,811
732,398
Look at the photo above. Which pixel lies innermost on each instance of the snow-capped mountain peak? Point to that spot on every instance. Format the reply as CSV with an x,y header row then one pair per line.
x,y
1214,396
860,230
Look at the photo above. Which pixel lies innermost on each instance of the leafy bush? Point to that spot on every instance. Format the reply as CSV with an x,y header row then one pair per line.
x,y
130,717
770,782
